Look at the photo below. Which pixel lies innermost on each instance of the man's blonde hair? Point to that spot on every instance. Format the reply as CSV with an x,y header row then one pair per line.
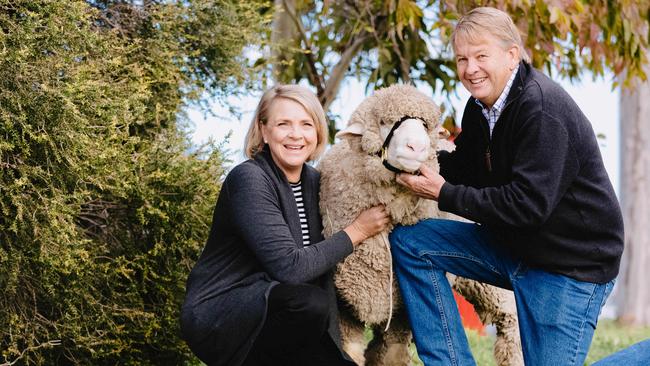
x,y
299,94
474,25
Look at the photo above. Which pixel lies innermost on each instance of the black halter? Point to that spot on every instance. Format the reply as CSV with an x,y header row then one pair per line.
x,y
384,147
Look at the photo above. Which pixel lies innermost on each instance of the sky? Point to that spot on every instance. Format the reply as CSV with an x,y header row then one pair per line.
x,y
596,99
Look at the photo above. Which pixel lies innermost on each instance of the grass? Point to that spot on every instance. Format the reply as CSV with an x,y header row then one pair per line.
x,y
610,337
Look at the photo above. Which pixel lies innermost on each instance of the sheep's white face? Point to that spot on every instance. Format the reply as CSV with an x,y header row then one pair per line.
x,y
410,145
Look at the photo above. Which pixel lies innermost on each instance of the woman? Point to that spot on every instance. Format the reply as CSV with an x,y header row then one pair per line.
x,y
261,292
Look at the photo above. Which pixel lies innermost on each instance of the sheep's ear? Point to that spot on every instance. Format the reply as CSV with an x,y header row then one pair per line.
x,y
354,129
443,134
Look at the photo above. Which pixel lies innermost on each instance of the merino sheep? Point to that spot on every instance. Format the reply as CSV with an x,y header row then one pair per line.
x,y
353,178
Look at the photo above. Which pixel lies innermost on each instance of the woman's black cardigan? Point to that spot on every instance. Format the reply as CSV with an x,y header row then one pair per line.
x,y
255,243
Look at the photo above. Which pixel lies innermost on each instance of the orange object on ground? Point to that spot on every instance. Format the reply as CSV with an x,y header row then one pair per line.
x,y
468,315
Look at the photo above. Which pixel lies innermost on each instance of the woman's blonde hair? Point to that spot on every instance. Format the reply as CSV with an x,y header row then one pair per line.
x,y
479,21
303,96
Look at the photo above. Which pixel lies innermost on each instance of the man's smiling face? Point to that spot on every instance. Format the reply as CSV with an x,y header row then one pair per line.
x,y
484,66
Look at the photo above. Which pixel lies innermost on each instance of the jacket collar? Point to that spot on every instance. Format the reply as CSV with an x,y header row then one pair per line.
x,y
309,179
519,82
267,163
524,72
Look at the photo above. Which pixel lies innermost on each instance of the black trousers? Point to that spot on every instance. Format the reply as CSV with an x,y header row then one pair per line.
x,y
295,331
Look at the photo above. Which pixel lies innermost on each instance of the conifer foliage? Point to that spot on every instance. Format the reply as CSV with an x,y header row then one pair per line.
x,y
104,202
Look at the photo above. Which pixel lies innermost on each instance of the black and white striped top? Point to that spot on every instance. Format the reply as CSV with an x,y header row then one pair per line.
x,y
297,192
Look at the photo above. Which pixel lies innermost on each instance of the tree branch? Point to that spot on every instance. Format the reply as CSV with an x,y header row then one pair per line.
x,y
55,342
404,66
338,73
314,77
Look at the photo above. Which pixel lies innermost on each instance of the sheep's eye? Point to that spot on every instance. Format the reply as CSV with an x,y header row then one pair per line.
x,y
381,122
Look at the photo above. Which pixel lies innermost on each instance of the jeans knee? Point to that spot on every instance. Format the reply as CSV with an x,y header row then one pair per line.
x,y
401,241
396,236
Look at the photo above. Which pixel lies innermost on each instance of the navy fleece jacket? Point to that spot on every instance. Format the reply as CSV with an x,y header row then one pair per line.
x,y
545,194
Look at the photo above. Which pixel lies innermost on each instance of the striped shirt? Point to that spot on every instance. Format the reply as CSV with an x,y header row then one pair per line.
x,y
297,193
492,114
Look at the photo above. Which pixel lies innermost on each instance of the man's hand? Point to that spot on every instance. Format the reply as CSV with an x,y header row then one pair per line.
x,y
426,185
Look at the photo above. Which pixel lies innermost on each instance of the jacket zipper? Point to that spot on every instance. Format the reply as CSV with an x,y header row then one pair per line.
x,y
488,159
486,129
488,154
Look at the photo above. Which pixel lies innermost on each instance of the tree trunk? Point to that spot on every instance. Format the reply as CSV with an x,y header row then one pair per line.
x,y
283,32
634,292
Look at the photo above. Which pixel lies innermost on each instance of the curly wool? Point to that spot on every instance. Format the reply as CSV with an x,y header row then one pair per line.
x,y
354,179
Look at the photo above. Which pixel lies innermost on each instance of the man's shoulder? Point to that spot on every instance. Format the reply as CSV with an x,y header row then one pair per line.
x,y
551,96
540,85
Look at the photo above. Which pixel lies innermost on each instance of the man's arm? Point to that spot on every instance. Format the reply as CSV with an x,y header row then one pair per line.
x,y
544,166
458,166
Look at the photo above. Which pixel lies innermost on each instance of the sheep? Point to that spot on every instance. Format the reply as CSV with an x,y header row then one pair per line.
x,y
354,176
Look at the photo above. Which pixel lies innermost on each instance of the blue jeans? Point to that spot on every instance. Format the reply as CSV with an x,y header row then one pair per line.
x,y
637,354
557,314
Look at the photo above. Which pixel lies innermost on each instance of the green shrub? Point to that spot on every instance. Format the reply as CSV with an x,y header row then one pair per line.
x,y
104,202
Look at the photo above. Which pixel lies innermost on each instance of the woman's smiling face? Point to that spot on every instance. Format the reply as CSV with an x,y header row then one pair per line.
x,y
291,134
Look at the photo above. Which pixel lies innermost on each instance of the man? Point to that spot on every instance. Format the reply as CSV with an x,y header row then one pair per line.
x,y
527,170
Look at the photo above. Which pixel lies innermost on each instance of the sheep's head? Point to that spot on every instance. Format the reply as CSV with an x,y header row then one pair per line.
x,y
399,124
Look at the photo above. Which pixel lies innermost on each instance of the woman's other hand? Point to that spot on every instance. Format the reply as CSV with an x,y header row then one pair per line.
x,y
370,222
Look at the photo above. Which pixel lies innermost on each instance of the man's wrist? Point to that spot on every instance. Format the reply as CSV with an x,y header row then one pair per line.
x,y
443,193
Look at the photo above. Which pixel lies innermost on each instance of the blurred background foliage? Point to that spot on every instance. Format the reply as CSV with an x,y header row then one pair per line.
x,y
384,42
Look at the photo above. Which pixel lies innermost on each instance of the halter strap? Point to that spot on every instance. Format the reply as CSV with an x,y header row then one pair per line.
x,y
384,147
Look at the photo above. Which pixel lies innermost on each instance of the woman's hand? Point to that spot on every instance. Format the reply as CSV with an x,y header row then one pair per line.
x,y
370,222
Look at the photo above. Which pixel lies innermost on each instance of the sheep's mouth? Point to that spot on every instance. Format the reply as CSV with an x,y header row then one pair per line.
x,y
408,165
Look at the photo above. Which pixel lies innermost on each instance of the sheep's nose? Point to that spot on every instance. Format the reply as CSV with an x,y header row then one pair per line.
x,y
416,146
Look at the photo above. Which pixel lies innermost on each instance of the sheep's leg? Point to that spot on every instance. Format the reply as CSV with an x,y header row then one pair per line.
x,y
507,347
352,338
390,348
495,306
